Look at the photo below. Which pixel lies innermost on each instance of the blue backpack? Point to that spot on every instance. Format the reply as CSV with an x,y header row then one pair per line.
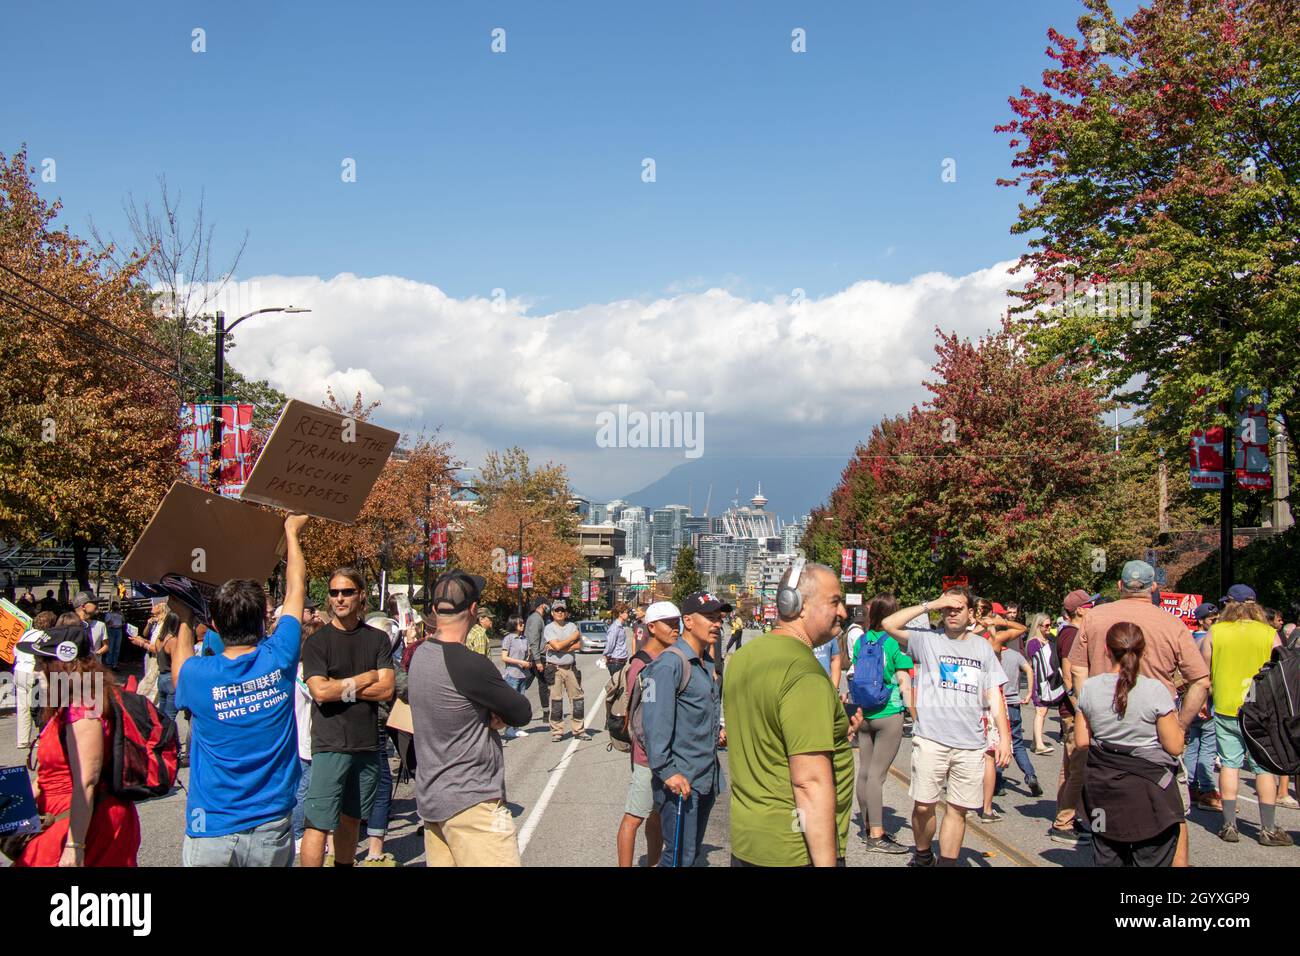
x,y
869,689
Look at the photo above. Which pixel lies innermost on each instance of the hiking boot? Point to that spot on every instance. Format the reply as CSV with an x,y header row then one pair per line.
x,y
884,844
1229,834
1275,837
919,860
1034,788
991,816
1209,800
1066,836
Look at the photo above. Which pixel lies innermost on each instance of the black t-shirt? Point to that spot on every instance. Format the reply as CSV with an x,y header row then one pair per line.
x,y
339,727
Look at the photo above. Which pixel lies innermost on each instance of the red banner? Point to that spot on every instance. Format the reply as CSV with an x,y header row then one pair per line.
x,y
860,567
195,440
1252,462
846,564
567,592
1207,459
527,572
438,545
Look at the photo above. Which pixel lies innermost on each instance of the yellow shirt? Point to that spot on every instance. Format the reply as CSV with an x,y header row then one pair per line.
x,y
1238,650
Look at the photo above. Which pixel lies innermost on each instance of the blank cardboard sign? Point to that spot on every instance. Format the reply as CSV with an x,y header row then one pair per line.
x,y
206,537
319,463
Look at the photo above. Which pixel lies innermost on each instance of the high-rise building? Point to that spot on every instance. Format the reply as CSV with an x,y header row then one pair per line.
x,y
598,514
667,534
632,521
793,533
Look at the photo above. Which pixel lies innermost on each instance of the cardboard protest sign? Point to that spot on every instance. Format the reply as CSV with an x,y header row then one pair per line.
x,y
320,463
17,807
205,537
13,623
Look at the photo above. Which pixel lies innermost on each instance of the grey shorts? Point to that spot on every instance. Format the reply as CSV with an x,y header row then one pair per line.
x,y
640,795
269,844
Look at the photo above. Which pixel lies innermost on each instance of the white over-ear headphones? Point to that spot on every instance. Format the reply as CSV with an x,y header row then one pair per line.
x,y
789,602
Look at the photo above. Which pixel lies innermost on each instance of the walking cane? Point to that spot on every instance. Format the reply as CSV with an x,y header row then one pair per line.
x,y
677,837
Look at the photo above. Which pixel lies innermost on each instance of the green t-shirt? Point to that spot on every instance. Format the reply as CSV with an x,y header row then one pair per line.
x,y
895,661
778,702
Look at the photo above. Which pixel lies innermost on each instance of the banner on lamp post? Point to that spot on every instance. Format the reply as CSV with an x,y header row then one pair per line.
x,y
1252,463
860,566
846,564
526,572
512,572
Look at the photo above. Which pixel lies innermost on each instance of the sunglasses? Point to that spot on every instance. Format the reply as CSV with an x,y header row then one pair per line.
x,y
342,592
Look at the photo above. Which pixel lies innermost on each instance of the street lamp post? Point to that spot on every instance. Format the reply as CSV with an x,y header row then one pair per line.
x,y
222,330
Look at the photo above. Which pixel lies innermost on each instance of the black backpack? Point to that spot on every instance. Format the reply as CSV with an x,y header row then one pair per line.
x,y
1270,716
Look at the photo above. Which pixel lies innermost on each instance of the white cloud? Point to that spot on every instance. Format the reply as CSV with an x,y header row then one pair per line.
x,y
771,377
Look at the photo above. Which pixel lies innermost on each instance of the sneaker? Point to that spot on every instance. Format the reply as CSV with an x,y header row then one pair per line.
x,y
1229,834
1289,802
992,816
918,860
1275,837
884,844
1209,800
1066,836
384,859
1034,788
1000,790
1044,751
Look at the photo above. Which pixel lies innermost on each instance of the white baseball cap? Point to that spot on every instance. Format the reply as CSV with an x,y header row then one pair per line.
x,y
661,611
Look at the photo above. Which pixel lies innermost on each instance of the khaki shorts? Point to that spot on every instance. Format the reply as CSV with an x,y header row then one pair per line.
x,y
935,766
482,835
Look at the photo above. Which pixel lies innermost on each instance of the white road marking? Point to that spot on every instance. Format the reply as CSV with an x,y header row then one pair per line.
x,y
535,818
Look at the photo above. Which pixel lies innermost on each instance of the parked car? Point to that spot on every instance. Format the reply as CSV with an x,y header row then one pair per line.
x,y
593,636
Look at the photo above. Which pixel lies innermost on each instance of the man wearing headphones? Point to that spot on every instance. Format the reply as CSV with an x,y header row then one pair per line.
x,y
788,734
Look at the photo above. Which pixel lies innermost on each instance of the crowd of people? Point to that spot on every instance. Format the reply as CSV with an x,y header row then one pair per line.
x,y
288,718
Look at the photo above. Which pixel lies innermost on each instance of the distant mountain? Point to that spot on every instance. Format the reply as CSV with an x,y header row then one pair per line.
x,y
792,486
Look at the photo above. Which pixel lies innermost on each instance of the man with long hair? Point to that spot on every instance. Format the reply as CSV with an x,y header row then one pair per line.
x,y
1238,645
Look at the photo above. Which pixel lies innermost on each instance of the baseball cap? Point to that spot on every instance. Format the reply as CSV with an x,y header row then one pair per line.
x,y
456,591
703,602
1076,599
662,611
1241,592
1137,574
559,606
1205,610
65,643
997,608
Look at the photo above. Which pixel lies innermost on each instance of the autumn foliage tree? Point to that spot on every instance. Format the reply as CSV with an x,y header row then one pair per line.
x,y
487,536
88,435
1003,476
1165,149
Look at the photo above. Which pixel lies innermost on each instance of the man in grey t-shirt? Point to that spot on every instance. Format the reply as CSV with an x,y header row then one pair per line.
x,y
562,640
458,704
957,677
1015,666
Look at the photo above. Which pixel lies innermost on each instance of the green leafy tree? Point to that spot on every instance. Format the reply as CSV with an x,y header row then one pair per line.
x,y
1164,150
686,576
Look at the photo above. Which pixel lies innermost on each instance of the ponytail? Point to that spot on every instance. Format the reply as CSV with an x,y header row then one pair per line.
x,y
1126,642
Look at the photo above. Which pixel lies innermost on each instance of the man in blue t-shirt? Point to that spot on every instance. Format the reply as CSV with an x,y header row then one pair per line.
x,y
244,747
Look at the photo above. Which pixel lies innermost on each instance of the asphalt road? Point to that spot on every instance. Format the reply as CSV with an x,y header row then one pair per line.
x,y
567,799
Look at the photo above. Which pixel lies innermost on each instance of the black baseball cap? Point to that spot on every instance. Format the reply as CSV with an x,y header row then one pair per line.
x,y
456,591
67,643
704,602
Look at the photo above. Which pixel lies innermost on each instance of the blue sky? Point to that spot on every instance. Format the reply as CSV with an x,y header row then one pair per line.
x,y
522,170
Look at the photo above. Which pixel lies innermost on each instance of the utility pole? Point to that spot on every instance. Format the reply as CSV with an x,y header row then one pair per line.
x,y
1164,494
1229,461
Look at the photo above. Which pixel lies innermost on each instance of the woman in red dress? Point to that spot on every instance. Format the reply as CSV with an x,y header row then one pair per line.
x,y
91,826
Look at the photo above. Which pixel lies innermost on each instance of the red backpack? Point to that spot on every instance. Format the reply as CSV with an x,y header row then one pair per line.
x,y
146,748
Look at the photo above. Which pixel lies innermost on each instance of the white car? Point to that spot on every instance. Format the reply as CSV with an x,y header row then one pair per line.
x,y
593,636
